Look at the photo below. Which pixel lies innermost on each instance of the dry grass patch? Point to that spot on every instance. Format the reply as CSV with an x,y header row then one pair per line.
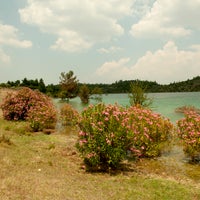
x,y
40,166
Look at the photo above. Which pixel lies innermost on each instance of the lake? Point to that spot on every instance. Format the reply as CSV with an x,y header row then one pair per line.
x,y
163,103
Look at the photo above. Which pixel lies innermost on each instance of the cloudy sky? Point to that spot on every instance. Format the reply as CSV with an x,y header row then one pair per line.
x,y
100,41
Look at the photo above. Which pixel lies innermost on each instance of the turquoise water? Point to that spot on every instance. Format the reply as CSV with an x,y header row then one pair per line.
x,y
163,103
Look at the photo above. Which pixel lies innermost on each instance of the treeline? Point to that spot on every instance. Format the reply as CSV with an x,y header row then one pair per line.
x,y
192,85
121,86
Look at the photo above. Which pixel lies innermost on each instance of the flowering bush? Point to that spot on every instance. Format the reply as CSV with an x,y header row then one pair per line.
x,y
102,139
109,132
42,113
189,133
148,131
32,106
68,115
15,106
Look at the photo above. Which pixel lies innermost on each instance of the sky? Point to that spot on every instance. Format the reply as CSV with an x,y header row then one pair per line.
x,y
100,41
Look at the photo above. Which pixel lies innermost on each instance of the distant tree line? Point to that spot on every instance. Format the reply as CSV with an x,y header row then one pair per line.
x,y
192,85
69,86
33,84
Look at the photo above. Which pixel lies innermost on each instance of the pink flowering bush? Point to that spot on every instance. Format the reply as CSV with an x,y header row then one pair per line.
x,y
68,115
148,131
109,133
102,139
15,106
189,134
32,106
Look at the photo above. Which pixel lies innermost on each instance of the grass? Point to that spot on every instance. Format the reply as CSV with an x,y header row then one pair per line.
x,y
35,166
39,166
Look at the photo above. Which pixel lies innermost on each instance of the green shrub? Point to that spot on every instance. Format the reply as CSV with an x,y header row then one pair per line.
x,y
109,133
32,106
148,131
138,96
189,134
68,115
102,139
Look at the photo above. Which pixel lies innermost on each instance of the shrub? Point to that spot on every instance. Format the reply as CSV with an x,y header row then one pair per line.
x,y
84,94
32,106
189,134
137,95
148,131
68,115
186,109
108,133
42,115
15,106
102,139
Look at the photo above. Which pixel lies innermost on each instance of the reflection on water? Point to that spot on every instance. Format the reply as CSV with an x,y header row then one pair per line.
x,y
173,163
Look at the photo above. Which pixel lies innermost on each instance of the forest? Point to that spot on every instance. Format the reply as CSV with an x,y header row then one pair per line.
x,y
121,86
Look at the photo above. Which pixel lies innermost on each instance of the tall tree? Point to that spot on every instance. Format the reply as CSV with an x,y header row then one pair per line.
x,y
69,85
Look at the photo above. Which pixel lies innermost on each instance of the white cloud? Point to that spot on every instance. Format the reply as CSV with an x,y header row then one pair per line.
x,y
111,49
169,18
113,71
77,24
9,37
113,66
71,42
195,47
168,64
165,65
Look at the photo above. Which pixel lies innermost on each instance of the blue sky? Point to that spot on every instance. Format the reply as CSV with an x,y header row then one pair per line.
x,y
101,41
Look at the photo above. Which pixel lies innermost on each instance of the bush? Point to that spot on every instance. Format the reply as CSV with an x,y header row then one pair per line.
x,y
15,106
138,96
32,106
189,134
148,131
102,139
68,115
109,133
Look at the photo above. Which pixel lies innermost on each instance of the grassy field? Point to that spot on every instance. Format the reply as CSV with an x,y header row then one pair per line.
x,y
36,166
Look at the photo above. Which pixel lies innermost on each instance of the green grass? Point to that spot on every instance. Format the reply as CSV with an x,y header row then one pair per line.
x,y
37,166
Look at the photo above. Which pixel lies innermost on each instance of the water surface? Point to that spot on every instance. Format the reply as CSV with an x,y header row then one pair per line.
x,y
163,103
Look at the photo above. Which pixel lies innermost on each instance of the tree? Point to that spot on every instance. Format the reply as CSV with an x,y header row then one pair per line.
x,y
137,95
42,87
69,85
25,82
84,94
